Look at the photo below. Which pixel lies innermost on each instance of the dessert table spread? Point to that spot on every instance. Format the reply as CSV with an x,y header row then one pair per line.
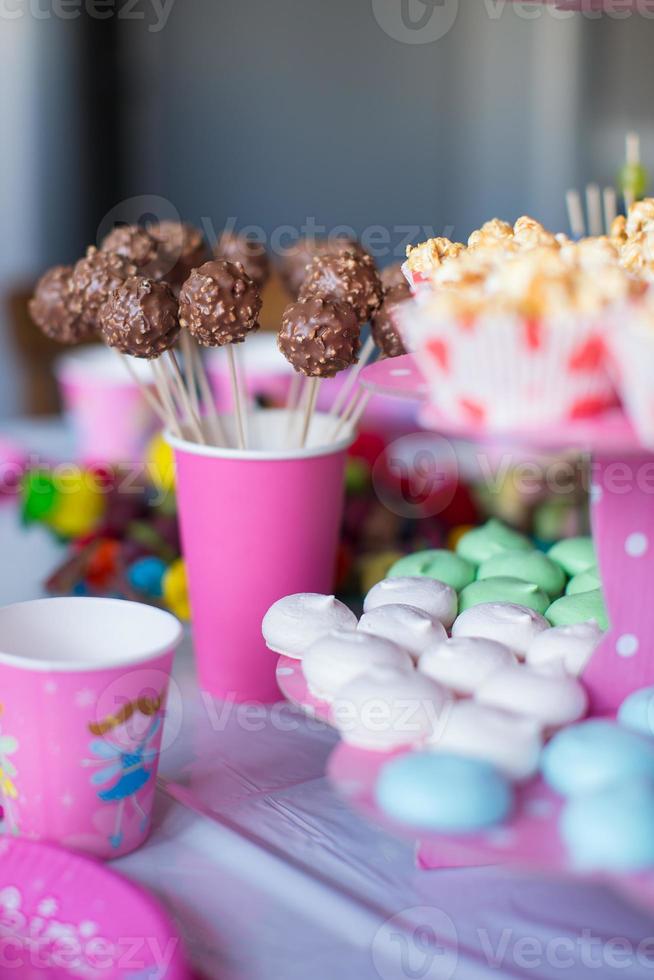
x,y
269,874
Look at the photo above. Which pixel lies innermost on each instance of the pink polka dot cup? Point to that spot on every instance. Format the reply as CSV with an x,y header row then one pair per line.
x,y
83,686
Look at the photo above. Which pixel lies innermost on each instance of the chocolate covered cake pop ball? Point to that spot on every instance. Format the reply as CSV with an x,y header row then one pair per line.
x,y
219,304
140,318
295,259
133,242
50,307
252,255
180,249
384,331
346,278
94,278
319,337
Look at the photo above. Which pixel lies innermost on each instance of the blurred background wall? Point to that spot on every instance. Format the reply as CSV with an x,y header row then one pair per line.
x,y
273,113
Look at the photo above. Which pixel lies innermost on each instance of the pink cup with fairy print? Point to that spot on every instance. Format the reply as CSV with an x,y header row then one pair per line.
x,y
83,686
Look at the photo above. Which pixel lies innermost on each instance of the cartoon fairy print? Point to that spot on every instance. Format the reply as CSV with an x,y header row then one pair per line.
x,y
130,757
8,791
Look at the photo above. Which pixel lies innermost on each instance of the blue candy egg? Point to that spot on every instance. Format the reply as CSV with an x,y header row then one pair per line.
x,y
146,575
446,793
637,711
595,754
612,829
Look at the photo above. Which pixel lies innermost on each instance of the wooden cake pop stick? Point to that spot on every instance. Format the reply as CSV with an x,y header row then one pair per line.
x,y
312,389
215,425
352,375
610,207
162,383
183,397
594,209
187,344
236,397
575,214
152,400
242,391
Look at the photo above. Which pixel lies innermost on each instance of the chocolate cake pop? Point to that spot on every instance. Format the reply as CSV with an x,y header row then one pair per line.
x,y
140,318
319,336
383,328
181,248
295,259
233,247
344,277
132,242
93,280
219,304
50,307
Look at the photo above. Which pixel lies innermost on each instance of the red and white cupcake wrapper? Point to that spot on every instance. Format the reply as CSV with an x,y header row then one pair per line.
x,y
418,281
630,344
510,372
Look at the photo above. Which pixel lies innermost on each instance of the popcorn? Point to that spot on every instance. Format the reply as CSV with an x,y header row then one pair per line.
x,y
493,232
429,255
529,233
640,217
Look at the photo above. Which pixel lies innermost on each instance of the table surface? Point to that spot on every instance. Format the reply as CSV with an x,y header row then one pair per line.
x,y
269,874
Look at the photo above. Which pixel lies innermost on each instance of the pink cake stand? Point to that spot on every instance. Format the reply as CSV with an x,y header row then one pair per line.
x,y
622,498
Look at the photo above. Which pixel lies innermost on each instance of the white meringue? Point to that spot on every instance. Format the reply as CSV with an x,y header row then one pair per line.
x,y
387,708
339,656
435,598
513,625
506,740
412,629
552,697
294,622
572,645
463,663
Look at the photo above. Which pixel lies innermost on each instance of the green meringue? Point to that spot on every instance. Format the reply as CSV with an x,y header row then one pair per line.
x,y
574,555
530,566
504,589
438,563
492,538
579,608
586,581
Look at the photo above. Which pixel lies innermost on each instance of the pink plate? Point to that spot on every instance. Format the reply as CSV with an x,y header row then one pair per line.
x,y
293,686
530,841
65,916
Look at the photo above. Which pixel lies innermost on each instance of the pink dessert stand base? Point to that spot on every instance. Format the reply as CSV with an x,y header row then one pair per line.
x,y
622,514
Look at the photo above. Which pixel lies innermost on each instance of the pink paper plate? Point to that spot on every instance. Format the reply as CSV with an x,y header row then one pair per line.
x,y
65,916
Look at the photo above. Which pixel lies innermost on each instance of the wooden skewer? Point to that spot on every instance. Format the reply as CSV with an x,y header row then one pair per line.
x,y
152,400
349,413
236,397
242,390
162,383
215,425
294,390
352,375
184,399
575,214
610,207
594,209
360,409
313,386
188,344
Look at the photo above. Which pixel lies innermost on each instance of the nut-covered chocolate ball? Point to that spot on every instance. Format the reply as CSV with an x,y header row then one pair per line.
x,y
384,331
140,318
133,242
391,276
94,278
346,278
181,248
219,304
294,260
319,337
233,247
51,310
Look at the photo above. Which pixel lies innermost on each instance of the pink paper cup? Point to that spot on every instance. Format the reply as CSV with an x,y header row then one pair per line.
x,y
109,416
256,525
83,685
